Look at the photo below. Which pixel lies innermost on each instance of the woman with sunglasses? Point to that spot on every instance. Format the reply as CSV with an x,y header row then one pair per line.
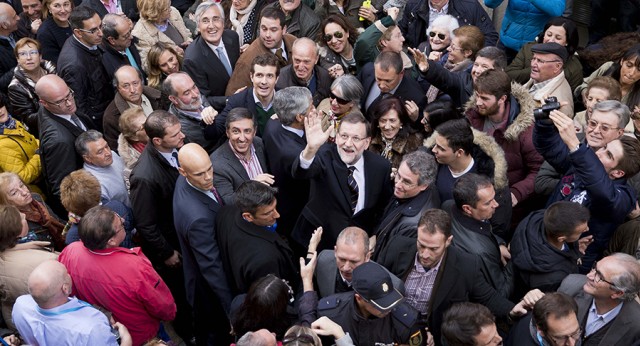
x,y
439,36
336,46
344,97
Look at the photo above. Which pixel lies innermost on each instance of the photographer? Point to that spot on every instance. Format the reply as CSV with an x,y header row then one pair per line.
x,y
596,180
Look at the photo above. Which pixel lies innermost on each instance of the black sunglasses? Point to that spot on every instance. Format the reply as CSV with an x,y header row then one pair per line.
x,y
440,36
340,100
303,338
337,34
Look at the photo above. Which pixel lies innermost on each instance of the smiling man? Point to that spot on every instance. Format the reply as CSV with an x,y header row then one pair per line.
x,y
119,44
547,75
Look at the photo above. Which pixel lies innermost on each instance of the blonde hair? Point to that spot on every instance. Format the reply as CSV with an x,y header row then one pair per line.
x,y
154,73
126,121
45,7
150,10
6,178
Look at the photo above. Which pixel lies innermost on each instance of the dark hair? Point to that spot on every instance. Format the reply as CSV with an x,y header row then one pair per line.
x,y
610,48
266,59
630,161
389,60
561,218
10,227
355,117
435,220
84,138
465,189
342,22
462,322
96,227
272,12
555,304
264,306
79,15
494,54
493,82
631,54
252,195
237,114
109,24
157,122
458,134
388,103
440,111
570,30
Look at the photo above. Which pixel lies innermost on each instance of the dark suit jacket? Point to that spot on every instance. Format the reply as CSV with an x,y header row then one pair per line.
x,y
228,172
458,280
217,131
282,148
624,329
329,204
112,60
409,89
194,216
203,65
288,78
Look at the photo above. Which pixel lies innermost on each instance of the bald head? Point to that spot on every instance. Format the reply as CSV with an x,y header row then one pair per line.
x,y
128,81
52,89
195,165
304,55
8,19
49,284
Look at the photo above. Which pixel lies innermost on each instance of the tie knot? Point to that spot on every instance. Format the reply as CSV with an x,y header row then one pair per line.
x,y
351,169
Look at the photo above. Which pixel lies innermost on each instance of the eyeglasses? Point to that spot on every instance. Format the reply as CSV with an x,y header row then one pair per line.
x,y
64,101
303,338
28,53
91,31
592,124
355,140
406,183
440,36
214,20
340,100
122,221
540,61
337,34
454,47
561,340
598,275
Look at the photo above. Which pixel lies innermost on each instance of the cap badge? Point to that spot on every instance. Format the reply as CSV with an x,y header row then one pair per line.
x,y
385,287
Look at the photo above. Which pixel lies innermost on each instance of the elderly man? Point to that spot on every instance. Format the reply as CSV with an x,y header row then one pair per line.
x,y
118,44
305,71
547,75
414,192
241,157
30,19
191,108
80,64
105,165
273,38
58,127
195,206
211,58
130,92
120,280
302,21
283,141
8,25
48,316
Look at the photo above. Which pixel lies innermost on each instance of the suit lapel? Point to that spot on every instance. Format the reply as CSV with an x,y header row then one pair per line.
x,y
216,64
76,131
233,161
206,200
232,44
341,174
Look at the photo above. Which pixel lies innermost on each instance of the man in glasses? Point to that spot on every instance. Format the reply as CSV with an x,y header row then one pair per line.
x,y
547,75
595,179
80,64
118,43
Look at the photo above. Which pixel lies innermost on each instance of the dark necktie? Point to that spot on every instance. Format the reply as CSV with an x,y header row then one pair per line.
x,y
77,121
280,56
217,196
175,157
353,188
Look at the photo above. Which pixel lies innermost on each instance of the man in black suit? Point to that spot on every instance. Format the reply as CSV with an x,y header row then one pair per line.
x,y
195,206
350,185
386,75
118,44
211,57
59,124
283,141
241,157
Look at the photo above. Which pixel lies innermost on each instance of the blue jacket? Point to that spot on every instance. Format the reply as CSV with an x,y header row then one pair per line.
x,y
525,19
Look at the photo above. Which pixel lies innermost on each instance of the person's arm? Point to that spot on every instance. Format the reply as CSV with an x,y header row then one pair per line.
x,y
550,8
546,180
548,143
451,83
154,293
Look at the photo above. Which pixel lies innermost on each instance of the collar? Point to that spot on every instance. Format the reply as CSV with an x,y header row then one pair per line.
x,y
606,317
443,10
418,266
95,47
359,165
144,101
482,227
282,46
213,46
241,157
298,132
255,98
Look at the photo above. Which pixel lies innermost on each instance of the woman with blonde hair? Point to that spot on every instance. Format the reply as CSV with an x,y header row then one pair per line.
x,y
55,28
162,60
133,138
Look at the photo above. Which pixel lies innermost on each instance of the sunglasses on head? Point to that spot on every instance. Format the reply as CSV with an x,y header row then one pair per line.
x,y
303,338
337,34
440,36
340,100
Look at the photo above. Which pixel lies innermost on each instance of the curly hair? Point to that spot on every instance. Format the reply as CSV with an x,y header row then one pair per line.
x,y
79,192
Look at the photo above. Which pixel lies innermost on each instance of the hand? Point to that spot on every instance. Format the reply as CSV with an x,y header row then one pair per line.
x,y
244,47
35,25
37,245
315,239
325,326
412,110
368,13
179,50
174,260
307,270
12,340
265,178
209,115
240,89
186,44
315,136
583,243
531,298
435,55
565,127
336,71
518,310
393,13
514,200
635,212
125,336
394,171
430,341
420,59
505,256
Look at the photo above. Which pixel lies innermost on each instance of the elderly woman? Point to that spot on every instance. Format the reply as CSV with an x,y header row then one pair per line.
x,y
43,223
18,149
22,92
391,133
336,46
440,34
599,89
159,22
132,139
162,60
345,96
17,261
55,28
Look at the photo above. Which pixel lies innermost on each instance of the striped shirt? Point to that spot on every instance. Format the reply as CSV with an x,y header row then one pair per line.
x,y
252,166
419,285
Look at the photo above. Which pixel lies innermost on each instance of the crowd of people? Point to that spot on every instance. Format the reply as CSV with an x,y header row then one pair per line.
x,y
299,172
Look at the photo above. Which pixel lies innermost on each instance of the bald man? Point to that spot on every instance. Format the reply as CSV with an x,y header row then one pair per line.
x,y
8,24
195,206
49,317
58,127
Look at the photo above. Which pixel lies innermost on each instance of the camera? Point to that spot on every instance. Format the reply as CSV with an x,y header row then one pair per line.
x,y
551,104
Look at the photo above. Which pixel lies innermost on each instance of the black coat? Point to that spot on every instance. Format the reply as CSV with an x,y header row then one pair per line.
x,y
459,279
52,37
217,131
22,96
409,89
323,82
153,181
329,204
8,63
112,59
82,70
458,85
206,70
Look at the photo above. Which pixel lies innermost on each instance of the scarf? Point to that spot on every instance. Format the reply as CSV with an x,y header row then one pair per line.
x,y
9,124
37,212
238,25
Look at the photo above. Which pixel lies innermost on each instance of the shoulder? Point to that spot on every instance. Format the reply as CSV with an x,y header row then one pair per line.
x,y
334,302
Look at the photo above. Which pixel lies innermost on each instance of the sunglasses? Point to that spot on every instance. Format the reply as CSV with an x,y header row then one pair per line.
x,y
337,34
303,338
440,36
340,100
